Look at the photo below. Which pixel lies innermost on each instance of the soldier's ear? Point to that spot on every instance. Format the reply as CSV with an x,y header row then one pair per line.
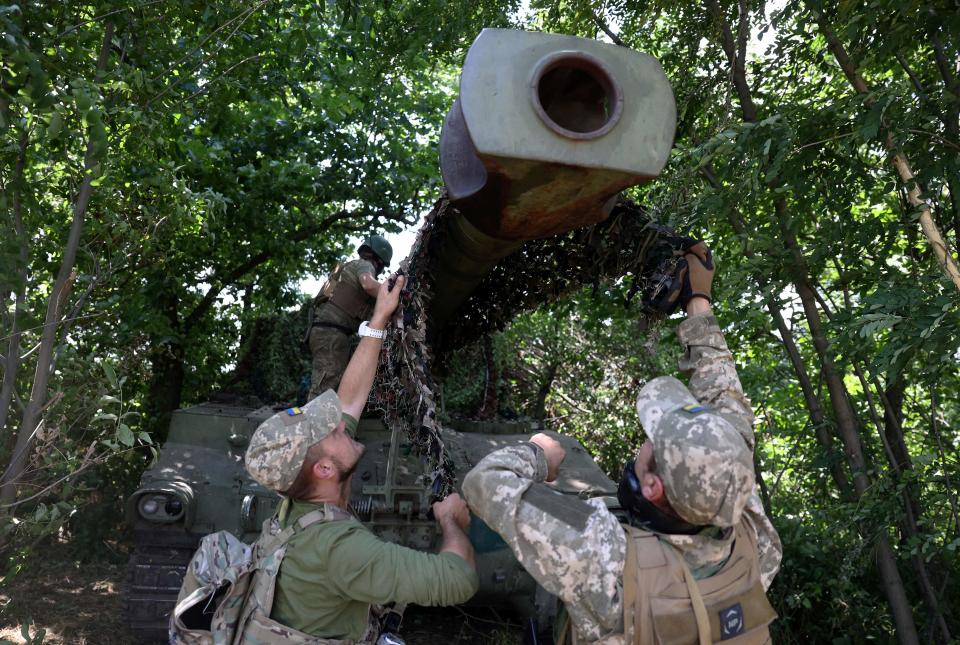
x,y
324,468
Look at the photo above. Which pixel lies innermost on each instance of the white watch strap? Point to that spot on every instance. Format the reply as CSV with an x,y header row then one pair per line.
x,y
366,330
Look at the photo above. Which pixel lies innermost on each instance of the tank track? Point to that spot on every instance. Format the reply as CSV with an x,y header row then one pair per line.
x,y
154,574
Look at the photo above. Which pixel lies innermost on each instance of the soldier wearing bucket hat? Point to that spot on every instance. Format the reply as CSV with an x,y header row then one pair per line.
x,y
687,553
335,571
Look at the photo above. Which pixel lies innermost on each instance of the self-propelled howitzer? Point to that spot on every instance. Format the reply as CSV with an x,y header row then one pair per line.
x,y
545,134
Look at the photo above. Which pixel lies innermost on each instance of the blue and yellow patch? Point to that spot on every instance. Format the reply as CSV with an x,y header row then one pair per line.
x,y
292,416
694,409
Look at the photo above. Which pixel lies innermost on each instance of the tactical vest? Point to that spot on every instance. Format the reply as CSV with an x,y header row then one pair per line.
x,y
664,604
227,593
347,296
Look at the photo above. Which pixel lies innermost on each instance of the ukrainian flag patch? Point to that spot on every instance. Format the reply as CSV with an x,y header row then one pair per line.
x,y
693,409
294,411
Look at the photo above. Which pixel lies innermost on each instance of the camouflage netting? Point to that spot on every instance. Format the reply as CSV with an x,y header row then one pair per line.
x,y
626,244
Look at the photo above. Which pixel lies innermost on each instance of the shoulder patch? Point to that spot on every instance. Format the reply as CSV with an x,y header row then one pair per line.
x,y
294,411
566,508
694,409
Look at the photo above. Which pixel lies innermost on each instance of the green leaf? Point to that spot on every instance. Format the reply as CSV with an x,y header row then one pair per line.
x,y
125,435
55,126
111,375
871,124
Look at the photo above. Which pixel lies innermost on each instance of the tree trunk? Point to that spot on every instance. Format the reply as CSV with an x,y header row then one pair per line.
x,y
951,121
817,417
891,435
898,158
848,428
540,404
165,391
32,416
12,363
488,408
842,410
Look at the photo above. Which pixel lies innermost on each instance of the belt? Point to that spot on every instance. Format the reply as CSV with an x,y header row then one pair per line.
x,y
345,330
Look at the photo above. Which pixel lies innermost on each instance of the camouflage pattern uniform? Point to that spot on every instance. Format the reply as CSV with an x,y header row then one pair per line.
x,y
330,347
579,553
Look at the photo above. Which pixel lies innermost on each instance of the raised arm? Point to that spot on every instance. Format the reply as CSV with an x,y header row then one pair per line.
x,y
362,368
370,284
366,568
706,358
714,381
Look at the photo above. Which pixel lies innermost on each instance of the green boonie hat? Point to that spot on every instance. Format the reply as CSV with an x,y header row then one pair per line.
x,y
380,247
279,445
704,463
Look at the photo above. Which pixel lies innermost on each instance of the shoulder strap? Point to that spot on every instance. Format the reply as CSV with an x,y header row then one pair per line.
x,y
696,599
329,513
272,540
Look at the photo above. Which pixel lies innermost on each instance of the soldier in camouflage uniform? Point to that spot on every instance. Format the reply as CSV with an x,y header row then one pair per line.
x,y
338,309
335,571
691,487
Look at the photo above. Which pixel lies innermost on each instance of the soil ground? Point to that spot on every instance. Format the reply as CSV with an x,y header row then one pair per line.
x,y
79,604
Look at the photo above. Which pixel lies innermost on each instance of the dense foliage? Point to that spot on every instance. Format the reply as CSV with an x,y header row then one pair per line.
x,y
170,170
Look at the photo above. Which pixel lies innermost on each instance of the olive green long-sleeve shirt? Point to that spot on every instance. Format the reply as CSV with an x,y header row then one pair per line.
x,y
333,571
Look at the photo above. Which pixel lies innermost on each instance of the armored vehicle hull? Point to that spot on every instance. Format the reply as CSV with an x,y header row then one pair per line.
x,y
199,485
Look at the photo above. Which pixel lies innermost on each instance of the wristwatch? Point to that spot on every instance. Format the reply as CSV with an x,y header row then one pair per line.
x,y
366,330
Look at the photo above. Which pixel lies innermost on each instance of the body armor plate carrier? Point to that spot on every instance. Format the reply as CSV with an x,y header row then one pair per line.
x,y
227,594
663,604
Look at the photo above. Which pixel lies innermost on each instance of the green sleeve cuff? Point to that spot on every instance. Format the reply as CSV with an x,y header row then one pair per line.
x,y
351,424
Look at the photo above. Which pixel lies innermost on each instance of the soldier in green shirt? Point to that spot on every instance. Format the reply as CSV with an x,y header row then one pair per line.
x,y
334,571
345,301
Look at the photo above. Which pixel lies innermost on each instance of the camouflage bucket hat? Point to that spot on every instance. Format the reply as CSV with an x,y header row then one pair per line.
x,y
704,463
279,446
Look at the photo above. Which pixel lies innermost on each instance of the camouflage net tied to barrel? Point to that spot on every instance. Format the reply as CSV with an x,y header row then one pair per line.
x,y
626,244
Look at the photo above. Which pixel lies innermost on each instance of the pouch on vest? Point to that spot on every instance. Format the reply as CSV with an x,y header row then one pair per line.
x,y
227,593
732,604
219,570
326,291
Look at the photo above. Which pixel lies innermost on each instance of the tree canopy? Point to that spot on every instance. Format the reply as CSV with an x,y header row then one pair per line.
x,y
169,171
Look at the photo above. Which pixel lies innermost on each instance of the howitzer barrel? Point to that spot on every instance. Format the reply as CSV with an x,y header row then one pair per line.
x,y
547,130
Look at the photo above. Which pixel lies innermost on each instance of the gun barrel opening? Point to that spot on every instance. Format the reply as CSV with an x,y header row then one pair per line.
x,y
575,96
